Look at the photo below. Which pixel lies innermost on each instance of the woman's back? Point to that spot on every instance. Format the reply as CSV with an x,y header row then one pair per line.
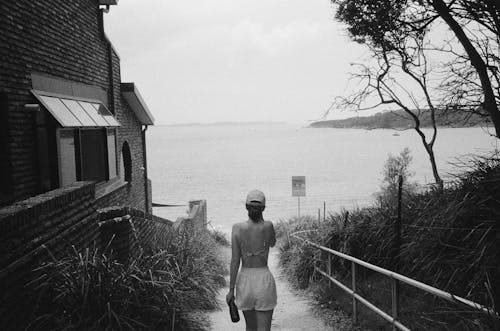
x,y
255,239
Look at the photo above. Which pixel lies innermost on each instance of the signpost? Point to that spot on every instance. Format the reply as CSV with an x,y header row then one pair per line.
x,y
298,189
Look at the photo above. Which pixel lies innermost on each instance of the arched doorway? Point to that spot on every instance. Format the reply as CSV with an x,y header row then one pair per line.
x,y
127,162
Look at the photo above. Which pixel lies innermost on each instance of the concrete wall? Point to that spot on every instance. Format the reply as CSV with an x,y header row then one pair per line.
x,y
198,214
196,218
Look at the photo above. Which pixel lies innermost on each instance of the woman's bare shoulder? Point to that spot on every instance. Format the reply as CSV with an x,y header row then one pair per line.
x,y
238,226
268,224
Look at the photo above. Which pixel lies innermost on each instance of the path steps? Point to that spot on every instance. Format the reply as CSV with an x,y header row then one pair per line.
x,y
293,312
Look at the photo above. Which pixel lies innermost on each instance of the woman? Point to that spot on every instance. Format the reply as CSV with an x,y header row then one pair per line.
x,y
254,283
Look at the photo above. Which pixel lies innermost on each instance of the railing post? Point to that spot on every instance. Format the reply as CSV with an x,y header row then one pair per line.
x,y
397,227
329,269
324,210
298,206
395,301
354,302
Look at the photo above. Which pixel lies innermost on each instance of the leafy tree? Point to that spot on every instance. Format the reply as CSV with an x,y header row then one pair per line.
x,y
476,80
401,71
395,167
471,79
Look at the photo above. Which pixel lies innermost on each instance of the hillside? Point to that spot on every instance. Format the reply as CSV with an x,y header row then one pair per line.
x,y
400,120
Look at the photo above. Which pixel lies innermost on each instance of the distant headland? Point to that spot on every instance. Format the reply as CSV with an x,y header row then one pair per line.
x,y
227,123
398,119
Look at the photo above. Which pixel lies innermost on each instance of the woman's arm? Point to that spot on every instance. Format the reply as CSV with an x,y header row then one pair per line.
x,y
272,235
235,262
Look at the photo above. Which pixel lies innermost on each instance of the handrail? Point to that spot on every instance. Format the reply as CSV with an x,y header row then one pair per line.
x,y
394,275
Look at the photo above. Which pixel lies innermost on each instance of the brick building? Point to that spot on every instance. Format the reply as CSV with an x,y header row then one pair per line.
x,y
65,115
72,142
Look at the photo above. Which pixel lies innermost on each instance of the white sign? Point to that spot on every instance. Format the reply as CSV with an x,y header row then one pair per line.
x,y
298,186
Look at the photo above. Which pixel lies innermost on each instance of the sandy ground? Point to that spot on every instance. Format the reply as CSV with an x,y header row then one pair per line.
x,y
293,312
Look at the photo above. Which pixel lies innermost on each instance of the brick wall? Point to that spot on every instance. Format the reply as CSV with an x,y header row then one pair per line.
x,y
58,37
65,40
127,230
5,168
131,132
54,222
28,224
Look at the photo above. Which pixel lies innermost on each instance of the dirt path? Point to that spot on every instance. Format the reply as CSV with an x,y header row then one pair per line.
x,y
293,312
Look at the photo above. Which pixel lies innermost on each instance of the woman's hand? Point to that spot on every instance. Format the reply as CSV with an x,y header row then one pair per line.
x,y
230,296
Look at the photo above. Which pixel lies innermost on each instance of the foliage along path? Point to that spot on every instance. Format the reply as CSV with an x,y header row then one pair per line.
x,y
293,312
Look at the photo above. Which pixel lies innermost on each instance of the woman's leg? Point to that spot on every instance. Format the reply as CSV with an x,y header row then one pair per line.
x,y
264,318
250,320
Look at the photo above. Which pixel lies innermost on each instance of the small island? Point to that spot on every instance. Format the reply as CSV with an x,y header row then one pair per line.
x,y
398,119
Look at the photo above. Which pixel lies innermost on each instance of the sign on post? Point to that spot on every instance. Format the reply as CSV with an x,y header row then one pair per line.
x,y
298,186
298,189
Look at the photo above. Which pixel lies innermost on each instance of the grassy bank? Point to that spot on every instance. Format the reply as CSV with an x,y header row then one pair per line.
x,y
169,286
450,239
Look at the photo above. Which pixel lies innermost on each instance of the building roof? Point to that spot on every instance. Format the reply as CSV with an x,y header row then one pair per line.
x,y
134,99
108,2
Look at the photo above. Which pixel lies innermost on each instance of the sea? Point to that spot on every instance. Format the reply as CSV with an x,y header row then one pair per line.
x,y
220,163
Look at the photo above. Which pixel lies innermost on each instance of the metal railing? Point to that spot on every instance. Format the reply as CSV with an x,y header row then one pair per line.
x,y
395,278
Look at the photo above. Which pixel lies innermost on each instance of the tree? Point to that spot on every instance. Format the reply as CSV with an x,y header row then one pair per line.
x,y
394,167
400,71
481,49
472,78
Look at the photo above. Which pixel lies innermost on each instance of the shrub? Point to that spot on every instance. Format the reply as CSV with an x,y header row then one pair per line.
x,y
160,290
450,240
219,236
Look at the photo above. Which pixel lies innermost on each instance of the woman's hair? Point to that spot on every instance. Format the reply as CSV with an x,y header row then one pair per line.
x,y
255,212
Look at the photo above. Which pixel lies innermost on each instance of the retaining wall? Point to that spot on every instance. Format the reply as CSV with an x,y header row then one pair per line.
x,y
52,224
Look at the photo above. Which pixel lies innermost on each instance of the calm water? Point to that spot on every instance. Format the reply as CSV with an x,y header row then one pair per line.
x,y
342,166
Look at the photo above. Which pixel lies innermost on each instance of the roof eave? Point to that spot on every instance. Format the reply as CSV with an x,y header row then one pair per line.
x,y
108,2
136,102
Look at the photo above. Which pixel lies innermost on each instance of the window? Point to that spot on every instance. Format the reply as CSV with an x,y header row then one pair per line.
x,y
127,162
85,138
111,140
86,154
67,159
93,162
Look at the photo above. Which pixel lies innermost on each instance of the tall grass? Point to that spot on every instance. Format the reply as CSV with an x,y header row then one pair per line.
x,y
450,240
168,288
219,236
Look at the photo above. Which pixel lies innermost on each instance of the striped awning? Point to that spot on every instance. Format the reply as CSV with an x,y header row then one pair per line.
x,y
73,112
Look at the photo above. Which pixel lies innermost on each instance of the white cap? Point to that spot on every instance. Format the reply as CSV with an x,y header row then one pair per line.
x,y
256,197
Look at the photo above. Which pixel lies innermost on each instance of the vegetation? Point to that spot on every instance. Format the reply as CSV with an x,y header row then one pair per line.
x,y
449,239
398,119
414,70
219,236
168,288
400,73
464,62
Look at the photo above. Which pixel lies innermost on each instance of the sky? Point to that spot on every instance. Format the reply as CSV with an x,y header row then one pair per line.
x,y
205,61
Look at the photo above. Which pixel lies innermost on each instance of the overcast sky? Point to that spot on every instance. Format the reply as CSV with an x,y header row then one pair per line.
x,y
233,60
